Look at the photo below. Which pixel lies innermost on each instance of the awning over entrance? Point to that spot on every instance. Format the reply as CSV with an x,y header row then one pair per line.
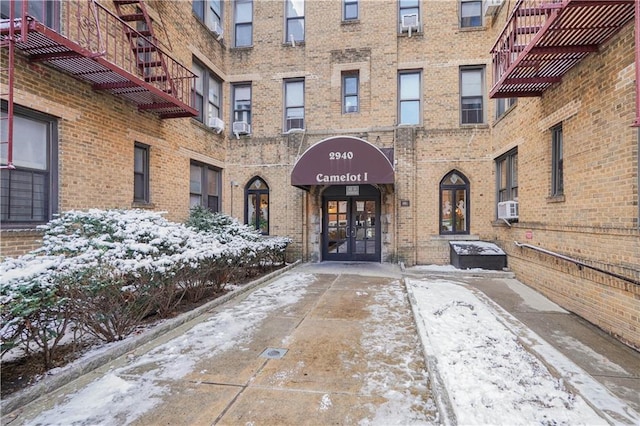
x,y
342,160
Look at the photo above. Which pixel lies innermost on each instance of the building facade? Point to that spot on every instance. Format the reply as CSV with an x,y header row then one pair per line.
x,y
365,131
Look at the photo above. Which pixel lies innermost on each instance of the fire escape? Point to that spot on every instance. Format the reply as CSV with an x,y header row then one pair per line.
x,y
114,52
544,39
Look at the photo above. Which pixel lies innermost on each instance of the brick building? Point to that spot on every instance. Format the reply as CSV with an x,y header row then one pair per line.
x,y
373,131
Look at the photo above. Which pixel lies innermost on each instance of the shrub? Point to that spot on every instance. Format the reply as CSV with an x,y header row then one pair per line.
x,y
104,271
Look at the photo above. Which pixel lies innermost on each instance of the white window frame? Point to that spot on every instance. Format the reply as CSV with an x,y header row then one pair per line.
x,y
417,98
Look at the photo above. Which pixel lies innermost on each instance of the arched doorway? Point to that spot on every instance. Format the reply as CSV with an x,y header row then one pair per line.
x,y
454,204
257,205
351,223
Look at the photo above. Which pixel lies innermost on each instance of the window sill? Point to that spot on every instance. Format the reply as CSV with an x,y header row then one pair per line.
x,y
204,126
472,29
413,34
296,44
142,205
241,48
556,199
350,21
475,126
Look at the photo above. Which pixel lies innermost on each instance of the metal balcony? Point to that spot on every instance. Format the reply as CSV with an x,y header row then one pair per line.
x,y
88,41
543,39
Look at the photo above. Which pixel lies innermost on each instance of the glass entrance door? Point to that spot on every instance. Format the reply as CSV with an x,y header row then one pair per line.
x,y
351,228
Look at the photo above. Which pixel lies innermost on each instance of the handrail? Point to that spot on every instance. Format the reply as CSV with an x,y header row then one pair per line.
x,y
577,262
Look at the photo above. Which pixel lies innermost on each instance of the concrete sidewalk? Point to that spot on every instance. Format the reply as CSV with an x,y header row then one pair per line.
x,y
336,344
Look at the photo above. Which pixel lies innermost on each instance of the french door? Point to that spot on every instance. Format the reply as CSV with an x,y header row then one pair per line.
x,y
351,227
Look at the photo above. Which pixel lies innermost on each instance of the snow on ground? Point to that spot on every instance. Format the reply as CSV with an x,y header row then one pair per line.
x,y
390,332
119,398
490,364
490,376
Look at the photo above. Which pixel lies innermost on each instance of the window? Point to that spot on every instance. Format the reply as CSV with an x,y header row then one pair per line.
x,y
47,12
470,13
141,173
349,10
29,192
294,104
408,7
257,205
454,204
471,95
209,12
503,105
409,102
242,102
295,21
243,35
350,92
557,179
207,93
204,186
507,176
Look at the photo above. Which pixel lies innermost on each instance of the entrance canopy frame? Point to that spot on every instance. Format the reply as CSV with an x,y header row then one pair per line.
x,y
343,160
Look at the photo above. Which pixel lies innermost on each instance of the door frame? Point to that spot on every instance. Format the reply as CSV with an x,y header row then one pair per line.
x,y
338,192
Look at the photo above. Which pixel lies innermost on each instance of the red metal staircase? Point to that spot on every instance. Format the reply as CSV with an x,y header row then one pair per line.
x,y
150,60
543,39
90,42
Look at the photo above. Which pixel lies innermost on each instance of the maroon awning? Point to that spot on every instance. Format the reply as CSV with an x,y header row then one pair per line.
x,y
342,160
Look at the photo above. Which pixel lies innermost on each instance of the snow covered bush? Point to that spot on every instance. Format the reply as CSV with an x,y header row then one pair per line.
x,y
106,270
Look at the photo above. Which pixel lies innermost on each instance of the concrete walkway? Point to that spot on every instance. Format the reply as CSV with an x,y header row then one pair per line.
x,y
337,346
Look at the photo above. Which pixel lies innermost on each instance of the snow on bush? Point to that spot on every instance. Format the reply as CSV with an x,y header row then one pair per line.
x,y
106,270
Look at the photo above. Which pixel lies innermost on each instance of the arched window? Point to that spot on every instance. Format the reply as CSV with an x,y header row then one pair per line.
x,y
257,205
454,204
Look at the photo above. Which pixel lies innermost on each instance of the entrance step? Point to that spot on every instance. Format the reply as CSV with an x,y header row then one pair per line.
x,y
477,254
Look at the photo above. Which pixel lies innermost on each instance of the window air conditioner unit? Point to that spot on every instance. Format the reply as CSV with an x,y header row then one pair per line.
x,y
295,124
409,23
217,30
216,124
491,7
352,108
241,128
508,210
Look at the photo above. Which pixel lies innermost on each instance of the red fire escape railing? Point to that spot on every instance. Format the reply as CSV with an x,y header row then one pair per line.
x,y
85,39
543,39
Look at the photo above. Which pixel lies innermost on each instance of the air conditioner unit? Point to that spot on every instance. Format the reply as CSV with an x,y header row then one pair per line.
x,y
217,30
410,22
491,7
508,210
352,108
216,124
241,128
295,124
